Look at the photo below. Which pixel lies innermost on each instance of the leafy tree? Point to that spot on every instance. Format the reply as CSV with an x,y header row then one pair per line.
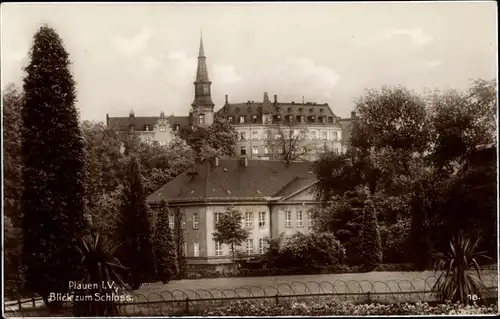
x,y
285,144
164,246
394,239
219,139
180,242
53,169
134,228
12,104
229,230
371,248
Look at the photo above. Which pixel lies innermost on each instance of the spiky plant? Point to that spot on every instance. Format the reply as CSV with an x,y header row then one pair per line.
x,y
101,280
460,276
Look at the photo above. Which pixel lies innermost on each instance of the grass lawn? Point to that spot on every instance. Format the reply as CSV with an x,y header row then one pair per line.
x,y
298,284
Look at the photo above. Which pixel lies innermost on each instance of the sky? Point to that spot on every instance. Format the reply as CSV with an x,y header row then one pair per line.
x,y
142,57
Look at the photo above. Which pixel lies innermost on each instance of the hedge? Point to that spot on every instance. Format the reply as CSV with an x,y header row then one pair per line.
x,y
263,272
246,308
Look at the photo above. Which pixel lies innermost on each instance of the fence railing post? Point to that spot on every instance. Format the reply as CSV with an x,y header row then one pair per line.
x,y
33,299
368,297
19,303
276,298
187,305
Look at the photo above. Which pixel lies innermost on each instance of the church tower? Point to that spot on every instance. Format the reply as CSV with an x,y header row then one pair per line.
x,y
202,112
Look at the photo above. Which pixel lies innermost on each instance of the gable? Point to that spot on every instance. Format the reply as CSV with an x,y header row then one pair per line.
x,y
306,194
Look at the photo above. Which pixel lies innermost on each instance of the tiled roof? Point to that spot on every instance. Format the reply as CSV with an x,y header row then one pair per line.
x,y
251,108
140,122
296,185
231,179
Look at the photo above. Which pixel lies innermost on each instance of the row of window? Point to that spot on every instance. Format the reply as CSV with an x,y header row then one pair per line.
x,y
299,219
248,246
249,219
257,119
279,150
313,135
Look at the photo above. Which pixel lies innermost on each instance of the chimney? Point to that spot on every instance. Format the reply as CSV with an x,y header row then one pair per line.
x,y
131,114
275,98
266,98
216,161
353,114
107,119
227,99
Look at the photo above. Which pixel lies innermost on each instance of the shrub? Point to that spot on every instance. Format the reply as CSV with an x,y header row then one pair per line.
x,y
313,250
371,249
394,240
164,246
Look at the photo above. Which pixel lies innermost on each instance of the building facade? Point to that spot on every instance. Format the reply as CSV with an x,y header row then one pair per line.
x,y
273,197
312,126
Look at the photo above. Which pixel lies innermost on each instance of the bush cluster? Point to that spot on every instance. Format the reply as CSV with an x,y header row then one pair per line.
x,y
246,308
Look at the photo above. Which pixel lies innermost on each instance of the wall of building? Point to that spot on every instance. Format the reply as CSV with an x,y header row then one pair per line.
x,y
278,212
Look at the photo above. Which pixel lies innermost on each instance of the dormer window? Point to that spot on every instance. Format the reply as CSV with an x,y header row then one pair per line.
x,y
201,119
131,127
311,110
177,127
163,128
249,109
237,110
230,119
301,109
289,110
278,108
321,110
254,118
146,128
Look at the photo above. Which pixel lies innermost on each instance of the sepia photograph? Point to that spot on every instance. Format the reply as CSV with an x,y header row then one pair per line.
x,y
249,159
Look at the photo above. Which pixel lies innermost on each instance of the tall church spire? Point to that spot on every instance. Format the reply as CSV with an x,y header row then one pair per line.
x,y
202,106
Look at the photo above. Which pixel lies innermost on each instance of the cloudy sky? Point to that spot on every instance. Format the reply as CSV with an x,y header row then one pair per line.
x,y
143,56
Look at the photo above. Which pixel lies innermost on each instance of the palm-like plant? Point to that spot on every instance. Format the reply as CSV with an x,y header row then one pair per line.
x,y
101,276
460,276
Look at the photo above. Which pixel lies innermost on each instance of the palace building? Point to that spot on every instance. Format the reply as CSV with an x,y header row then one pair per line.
x,y
259,124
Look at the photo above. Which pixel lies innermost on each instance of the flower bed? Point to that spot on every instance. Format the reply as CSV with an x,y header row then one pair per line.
x,y
244,308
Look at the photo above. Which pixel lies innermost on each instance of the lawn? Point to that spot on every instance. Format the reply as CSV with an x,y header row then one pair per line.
x,y
380,282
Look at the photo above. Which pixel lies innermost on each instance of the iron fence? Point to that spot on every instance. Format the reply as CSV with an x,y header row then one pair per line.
x,y
178,301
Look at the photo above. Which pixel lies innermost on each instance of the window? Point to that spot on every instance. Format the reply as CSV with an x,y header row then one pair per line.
x,y
147,128
163,143
261,246
171,221
254,118
148,140
267,135
177,127
243,150
242,119
216,218
243,136
299,219
266,150
314,134
255,135
163,128
335,150
324,135
277,136
288,218
196,249
262,219
205,90
310,219
249,246
230,119
335,135
321,110
289,109
185,250
280,150
302,119
302,135
218,249
201,119
255,150
249,219
196,221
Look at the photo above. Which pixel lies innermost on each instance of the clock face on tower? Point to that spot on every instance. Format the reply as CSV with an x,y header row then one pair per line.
x,y
205,90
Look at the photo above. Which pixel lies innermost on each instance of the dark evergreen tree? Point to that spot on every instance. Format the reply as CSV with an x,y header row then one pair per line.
x,y
134,228
164,246
180,242
371,248
53,169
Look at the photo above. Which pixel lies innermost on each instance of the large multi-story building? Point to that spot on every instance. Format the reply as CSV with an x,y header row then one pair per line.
x,y
261,126
272,196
